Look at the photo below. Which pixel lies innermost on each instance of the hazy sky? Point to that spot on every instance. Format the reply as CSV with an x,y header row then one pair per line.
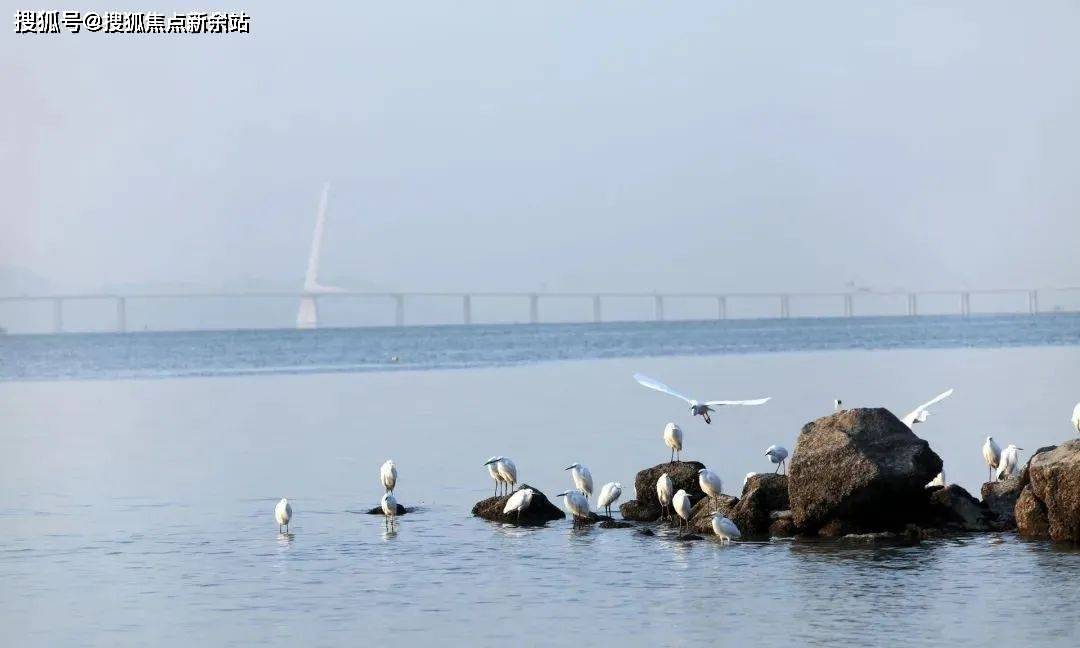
x,y
711,145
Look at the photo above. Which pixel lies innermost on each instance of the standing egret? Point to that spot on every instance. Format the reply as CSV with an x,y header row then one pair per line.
x,y
920,413
577,504
710,485
519,501
609,494
673,439
992,455
681,502
938,481
388,475
836,404
1010,460
283,513
778,455
665,489
389,509
696,408
725,528
507,471
1076,418
747,478
582,478
493,470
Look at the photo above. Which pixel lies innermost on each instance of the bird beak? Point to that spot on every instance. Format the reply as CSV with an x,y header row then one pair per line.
x,y
568,468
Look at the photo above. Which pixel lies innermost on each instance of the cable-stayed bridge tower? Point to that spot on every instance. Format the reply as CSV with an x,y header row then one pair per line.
x,y
307,316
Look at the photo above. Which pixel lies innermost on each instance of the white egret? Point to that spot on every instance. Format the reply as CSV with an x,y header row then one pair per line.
x,y
992,455
582,478
389,508
725,529
920,413
696,408
1010,461
507,471
836,404
938,481
673,439
747,478
283,513
681,503
388,475
665,490
519,501
493,470
778,455
609,494
1076,418
576,504
710,485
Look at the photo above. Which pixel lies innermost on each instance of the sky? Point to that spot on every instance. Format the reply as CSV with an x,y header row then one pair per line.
x,y
712,146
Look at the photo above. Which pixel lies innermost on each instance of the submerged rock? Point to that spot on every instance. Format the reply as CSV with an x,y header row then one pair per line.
x,y
954,508
646,508
1053,490
859,470
401,510
1000,499
540,510
614,524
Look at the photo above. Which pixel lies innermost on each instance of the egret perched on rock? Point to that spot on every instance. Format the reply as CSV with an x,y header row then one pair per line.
x,y
938,481
710,485
836,404
283,513
389,508
582,478
681,503
696,408
747,478
493,470
609,494
920,413
725,529
778,455
673,440
507,472
388,475
519,501
1076,418
992,455
1010,460
665,490
576,504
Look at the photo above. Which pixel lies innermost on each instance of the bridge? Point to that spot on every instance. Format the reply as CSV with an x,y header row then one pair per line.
x,y
844,304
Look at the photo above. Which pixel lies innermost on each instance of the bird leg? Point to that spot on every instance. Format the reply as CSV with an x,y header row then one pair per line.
x,y
777,469
672,456
707,419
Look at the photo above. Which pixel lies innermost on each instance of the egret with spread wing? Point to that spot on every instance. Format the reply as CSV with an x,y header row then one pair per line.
x,y
919,414
697,408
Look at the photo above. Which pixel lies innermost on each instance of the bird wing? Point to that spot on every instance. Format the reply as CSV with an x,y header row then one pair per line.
x,y
652,383
912,415
756,401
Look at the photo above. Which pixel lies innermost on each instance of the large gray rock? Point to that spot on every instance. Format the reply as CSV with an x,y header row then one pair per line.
x,y
859,470
540,510
1000,499
1055,485
646,508
953,508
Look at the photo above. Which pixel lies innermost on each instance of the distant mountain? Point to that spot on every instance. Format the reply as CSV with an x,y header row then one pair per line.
x,y
16,280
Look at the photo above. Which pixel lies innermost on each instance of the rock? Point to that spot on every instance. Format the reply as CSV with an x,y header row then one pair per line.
x,y
859,470
783,527
1025,474
1030,515
999,497
955,509
645,532
401,510
540,511
646,508
762,495
1055,483
614,524
774,489
687,537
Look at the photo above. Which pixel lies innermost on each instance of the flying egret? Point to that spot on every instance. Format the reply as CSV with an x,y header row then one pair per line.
x,y
389,509
519,501
609,494
696,408
681,503
665,489
493,470
673,439
919,414
1010,460
1076,418
577,504
283,513
778,455
507,471
992,455
725,528
836,404
710,485
582,478
388,475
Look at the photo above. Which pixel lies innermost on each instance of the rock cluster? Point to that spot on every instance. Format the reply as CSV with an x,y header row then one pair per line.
x,y
540,511
646,508
1049,503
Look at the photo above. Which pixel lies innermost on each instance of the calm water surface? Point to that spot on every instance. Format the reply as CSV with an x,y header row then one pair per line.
x,y
139,511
